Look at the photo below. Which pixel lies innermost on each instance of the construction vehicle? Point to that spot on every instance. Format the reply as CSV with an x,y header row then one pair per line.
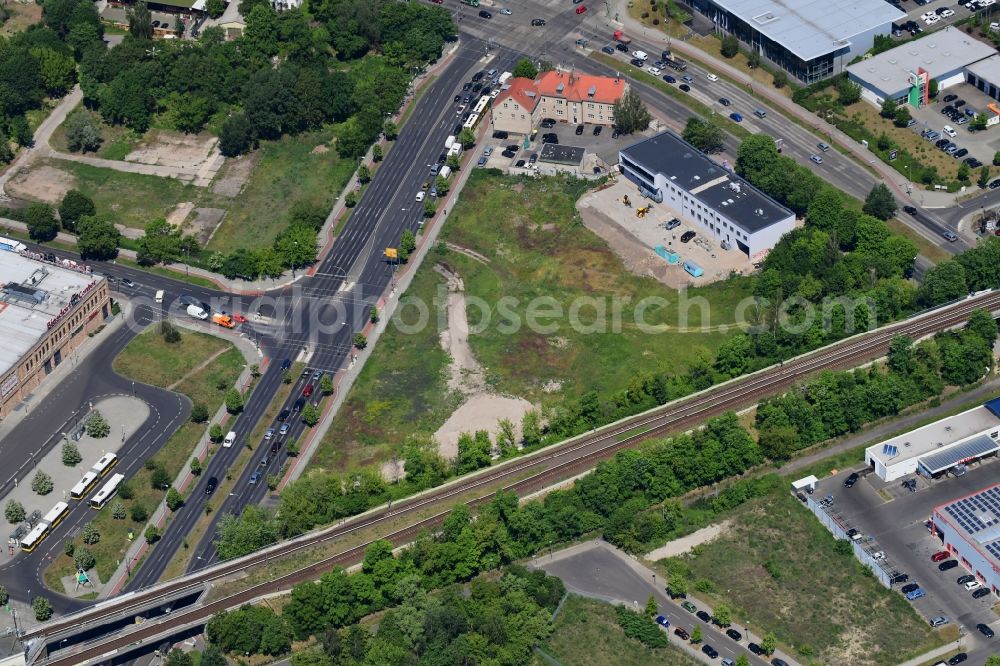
x,y
626,201
672,61
641,212
223,320
622,38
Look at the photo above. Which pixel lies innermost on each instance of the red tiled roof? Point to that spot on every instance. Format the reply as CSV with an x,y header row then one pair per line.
x,y
577,87
522,91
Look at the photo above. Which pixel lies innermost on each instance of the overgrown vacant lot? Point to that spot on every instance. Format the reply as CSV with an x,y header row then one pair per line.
x,y
781,570
537,252
586,632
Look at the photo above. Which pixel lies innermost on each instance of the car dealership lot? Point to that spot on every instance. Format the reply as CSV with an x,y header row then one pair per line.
x,y
892,520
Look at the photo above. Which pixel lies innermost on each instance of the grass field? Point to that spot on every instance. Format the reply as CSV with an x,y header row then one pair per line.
x,y
537,248
150,360
586,632
118,139
289,171
21,16
778,568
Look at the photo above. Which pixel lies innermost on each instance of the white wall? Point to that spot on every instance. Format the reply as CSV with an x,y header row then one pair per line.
x,y
973,559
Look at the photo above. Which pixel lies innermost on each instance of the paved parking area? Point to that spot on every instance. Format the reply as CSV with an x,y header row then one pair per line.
x,y
598,150
914,12
893,520
982,145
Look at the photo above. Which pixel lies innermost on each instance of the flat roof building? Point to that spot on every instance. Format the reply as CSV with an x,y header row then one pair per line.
x,y
706,194
901,73
809,39
937,447
970,528
46,311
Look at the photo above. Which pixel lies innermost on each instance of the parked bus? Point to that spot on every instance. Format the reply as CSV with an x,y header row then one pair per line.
x,y
480,107
472,122
85,485
104,465
107,491
56,515
35,537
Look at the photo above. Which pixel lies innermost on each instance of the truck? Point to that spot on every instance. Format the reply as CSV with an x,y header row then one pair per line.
x,y
449,142
622,38
456,149
672,61
445,171
503,78
197,312
223,320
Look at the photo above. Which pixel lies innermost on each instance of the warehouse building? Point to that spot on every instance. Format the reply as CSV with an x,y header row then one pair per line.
x,y
939,447
969,527
985,75
46,311
904,73
705,194
810,39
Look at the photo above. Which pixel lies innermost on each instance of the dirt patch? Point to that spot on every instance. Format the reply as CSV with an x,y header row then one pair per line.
x,y
235,174
480,412
393,470
179,214
204,223
320,149
684,544
21,16
45,183
173,149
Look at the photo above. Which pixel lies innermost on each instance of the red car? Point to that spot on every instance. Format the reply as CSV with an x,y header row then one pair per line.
x,y
942,555
239,319
581,9
308,391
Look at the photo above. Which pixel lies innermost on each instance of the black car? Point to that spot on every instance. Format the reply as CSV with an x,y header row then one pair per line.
x,y
532,158
508,154
985,630
476,88
710,651
948,110
980,593
669,79
735,635
967,578
941,143
283,416
287,363
961,152
520,164
458,98
551,139
911,210
485,14
703,616
687,235
947,565
909,587
597,130
547,123
467,85
756,649
537,22
995,184
512,147
299,404
851,480
635,62
681,634
212,484
579,130
958,658
478,75
500,134
778,662
685,87
958,103
973,162
900,578
621,47
724,102
442,158
950,98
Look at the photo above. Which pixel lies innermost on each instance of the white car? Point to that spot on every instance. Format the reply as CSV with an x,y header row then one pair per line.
x,y
505,11
655,71
973,585
932,19
640,55
712,77
420,196
946,13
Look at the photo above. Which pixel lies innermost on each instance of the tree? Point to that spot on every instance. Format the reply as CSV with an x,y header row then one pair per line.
x,y
942,283
41,483
978,123
932,87
70,454
993,660
364,174
779,442
152,535
780,79
531,429
704,135
84,559
769,643
98,238
984,177
97,426
234,401
118,511
236,135
42,608
742,660
390,131
373,314
473,452
75,205
212,656
360,341
83,134
310,415
525,69
158,478
430,207
984,325
14,511
215,8
41,221
631,115
466,138
696,634
723,614
730,46
252,530
140,21
443,185
453,163
199,412
407,244
4,596
848,92
902,117
90,534
178,657
506,437
964,171
326,385
652,609
138,513
880,203
753,59
196,467
889,108
377,153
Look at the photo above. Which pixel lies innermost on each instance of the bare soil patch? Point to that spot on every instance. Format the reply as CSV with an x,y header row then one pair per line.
x,y
204,222
44,183
177,216
166,148
482,411
235,174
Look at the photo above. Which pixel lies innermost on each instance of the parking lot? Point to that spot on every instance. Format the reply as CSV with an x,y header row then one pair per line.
x,y
892,520
600,150
915,11
981,145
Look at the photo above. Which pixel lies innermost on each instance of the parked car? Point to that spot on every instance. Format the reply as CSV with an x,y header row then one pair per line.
x,y
703,616
635,62
756,649
669,79
958,659
915,594
778,662
900,578
662,621
735,635
687,236
947,565
689,607
940,555
579,130
710,651
851,480
973,585
537,22
681,634
909,587
582,9
938,621
966,578
980,593
610,50
597,130
685,87
672,224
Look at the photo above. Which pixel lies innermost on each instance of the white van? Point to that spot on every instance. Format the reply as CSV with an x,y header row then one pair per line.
x,y
229,440
159,296
712,77
641,55
196,312
949,130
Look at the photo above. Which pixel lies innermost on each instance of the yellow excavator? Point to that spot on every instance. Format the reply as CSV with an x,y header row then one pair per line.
x,y
641,212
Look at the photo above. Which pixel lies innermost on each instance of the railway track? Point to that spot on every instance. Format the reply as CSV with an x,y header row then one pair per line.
x,y
542,468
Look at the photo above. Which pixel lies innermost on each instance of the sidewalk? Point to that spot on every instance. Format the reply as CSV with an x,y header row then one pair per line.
x,y
828,133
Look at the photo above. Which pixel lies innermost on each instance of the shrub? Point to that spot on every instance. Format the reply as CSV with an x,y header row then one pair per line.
x,y
139,513
97,427
70,454
118,511
90,535
84,559
125,491
14,512
42,608
42,483
152,534
199,413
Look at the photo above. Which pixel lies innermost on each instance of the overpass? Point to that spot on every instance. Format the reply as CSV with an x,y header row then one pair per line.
x,y
60,642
